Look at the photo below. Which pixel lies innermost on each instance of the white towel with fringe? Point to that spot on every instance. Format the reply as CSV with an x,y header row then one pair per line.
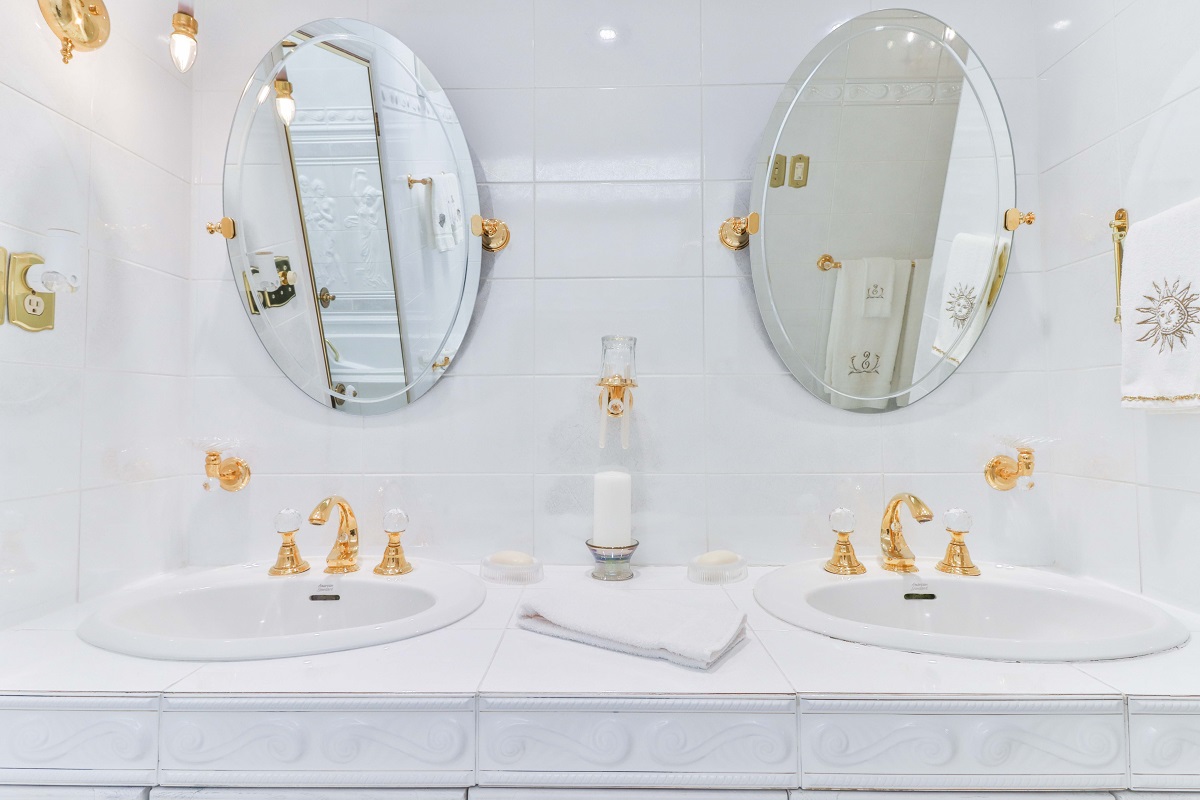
x,y
695,633
1160,312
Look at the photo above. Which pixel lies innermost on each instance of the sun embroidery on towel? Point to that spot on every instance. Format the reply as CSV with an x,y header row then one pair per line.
x,y
960,303
1170,315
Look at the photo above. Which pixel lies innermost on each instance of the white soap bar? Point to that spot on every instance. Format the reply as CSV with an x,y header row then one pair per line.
x,y
513,557
713,557
612,524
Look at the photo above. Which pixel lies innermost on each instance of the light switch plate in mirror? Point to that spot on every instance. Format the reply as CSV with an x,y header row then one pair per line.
x,y
377,272
876,278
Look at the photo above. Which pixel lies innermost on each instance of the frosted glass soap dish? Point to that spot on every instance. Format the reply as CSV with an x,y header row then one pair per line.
x,y
717,567
510,567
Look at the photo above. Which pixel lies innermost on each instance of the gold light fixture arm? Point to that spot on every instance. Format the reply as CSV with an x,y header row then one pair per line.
x,y
494,232
1015,218
1003,473
735,232
1120,228
77,24
343,557
897,556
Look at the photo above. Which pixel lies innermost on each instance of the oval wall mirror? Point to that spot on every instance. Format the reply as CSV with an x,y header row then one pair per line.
x,y
882,182
351,189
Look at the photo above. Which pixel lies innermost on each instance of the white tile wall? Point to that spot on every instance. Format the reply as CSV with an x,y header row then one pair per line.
x,y
93,413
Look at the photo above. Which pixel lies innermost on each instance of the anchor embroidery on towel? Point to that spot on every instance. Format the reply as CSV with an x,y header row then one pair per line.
x,y
875,292
960,303
867,364
1170,315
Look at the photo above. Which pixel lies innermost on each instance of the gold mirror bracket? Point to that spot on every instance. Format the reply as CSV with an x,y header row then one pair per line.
x,y
231,474
826,263
1003,473
226,227
28,309
1014,218
494,232
735,232
78,24
1120,227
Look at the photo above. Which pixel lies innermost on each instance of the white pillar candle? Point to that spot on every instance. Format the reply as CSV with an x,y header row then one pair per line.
x,y
611,523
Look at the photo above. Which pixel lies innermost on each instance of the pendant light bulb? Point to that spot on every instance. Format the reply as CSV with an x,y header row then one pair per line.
x,y
183,41
285,104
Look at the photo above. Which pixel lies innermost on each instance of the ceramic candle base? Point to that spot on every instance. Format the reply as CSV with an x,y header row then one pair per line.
x,y
612,563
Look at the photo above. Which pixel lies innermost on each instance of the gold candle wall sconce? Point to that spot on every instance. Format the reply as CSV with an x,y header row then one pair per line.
x,y
78,24
230,473
494,232
618,378
1120,229
735,232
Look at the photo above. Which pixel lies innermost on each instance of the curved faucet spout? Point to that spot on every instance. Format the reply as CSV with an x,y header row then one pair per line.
x,y
897,556
344,555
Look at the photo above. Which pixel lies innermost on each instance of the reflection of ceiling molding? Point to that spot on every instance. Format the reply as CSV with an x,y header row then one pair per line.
x,y
334,117
406,102
883,92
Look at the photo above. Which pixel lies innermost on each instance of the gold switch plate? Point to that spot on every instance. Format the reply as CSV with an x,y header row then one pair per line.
x,y
28,309
798,174
778,171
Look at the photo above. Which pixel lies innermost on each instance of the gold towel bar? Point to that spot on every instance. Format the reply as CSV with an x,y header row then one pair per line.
x,y
826,263
1120,227
413,181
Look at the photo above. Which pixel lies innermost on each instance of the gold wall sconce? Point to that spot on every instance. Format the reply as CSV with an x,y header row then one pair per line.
x,y
1004,473
183,40
1014,218
288,561
285,104
28,289
226,227
1120,228
494,232
231,474
78,24
957,560
735,232
826,263
844,560
618,378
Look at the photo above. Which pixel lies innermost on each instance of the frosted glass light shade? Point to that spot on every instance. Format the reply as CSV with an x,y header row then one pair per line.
x,y
183,51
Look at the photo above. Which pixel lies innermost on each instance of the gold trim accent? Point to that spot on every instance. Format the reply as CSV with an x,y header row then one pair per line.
x,y
393,561
343,557
184,24
1014,218
957,560
77,24
826,263
735,232
897,556
494,232
288,560
411,180
28,309
616,395
844,561
226,227
1003,472
231,474
1137,398
1120,229
253,304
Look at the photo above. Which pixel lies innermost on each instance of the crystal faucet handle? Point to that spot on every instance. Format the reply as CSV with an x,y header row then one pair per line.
x,y
287,520
395,521
842,520
957,520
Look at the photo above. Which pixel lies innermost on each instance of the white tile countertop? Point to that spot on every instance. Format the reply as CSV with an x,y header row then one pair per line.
x,y
483,703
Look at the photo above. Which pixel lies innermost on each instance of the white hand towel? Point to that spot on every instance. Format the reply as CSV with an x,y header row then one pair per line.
x,y
877,297
1160,312
445,207
861,353
970,270
695,633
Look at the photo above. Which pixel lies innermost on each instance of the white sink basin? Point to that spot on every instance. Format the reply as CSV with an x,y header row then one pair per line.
x,y
240,613
1006,614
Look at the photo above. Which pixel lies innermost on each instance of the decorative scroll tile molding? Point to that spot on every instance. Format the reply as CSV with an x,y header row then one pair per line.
x,y
966,706
749,705
362,702
92,777
310,778
962,782
74,793
108,742
661,780
882,92
1164,705
32,702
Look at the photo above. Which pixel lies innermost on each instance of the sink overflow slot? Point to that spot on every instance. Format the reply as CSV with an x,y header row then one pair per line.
x,y
324,597
910,596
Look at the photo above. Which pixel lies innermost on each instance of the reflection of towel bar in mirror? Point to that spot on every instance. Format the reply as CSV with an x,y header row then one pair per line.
x,y
414,181
826,263
735,232
494,232
1120,227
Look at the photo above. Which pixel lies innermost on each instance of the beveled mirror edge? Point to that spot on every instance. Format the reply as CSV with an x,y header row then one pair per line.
x,y
265,72
994,113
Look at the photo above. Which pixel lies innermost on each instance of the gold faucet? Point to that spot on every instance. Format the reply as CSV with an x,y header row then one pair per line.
x,y
344,555
897,557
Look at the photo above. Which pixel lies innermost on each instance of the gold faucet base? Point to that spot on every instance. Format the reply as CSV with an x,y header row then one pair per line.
x,y
340,569
957,560
393,561
844,560
901,566
288,562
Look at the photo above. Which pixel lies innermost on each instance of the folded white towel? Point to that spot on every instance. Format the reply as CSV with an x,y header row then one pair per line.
x,y
878,295
970,270
696,633
446,212
861,352
1160,312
